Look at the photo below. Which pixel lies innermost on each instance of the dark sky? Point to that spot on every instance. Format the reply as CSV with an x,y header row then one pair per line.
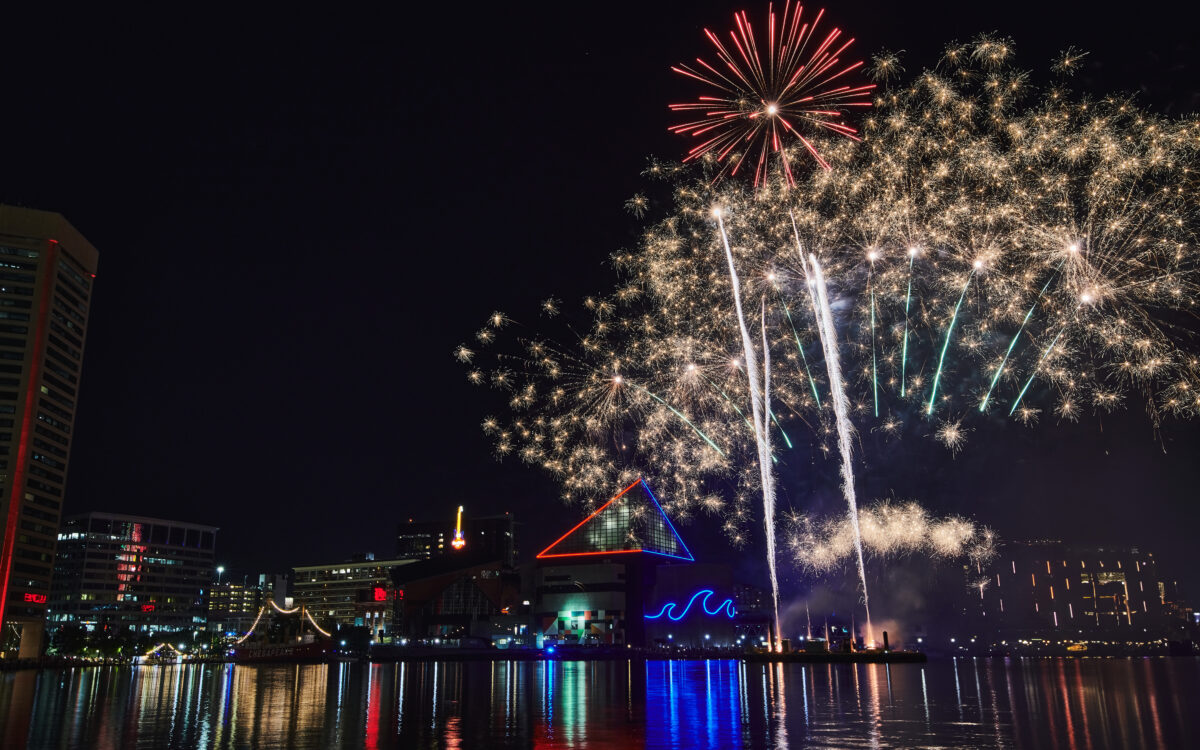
x,y
300,216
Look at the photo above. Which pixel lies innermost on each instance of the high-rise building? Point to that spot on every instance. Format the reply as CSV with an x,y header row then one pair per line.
x,y
46,274
131,572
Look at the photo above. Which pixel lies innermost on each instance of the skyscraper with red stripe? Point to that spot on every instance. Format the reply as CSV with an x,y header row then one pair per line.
x,y
47,269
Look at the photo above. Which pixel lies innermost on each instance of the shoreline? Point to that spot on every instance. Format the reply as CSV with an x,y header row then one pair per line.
x,y
398,655
426,655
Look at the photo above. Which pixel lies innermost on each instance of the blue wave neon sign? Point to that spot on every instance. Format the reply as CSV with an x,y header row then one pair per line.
x,y
669,608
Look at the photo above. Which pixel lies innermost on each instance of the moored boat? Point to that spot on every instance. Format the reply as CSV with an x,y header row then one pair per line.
x,y
314,651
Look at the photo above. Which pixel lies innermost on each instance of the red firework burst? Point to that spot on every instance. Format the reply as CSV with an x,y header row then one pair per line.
x,y
765,103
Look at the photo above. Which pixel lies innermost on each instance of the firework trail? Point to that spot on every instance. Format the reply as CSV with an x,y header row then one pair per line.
x,y
769,513
946,345
759,404
844,428
1008,352
912,256
799,347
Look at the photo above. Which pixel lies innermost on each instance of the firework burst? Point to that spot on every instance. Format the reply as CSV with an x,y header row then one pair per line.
x,y
771,92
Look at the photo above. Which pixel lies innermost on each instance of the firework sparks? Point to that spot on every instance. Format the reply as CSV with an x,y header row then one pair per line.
x,y
952,435
889,530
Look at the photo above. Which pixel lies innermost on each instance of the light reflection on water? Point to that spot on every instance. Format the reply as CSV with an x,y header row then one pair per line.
x,y
1048,703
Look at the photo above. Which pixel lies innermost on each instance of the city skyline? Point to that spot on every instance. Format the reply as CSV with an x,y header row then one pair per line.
x,y
634,374
275,293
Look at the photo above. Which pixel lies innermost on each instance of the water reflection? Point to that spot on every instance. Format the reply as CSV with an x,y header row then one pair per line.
x,y
1086,703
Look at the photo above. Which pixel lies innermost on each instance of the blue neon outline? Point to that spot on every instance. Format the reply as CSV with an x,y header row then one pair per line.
x,y
669,608
663,513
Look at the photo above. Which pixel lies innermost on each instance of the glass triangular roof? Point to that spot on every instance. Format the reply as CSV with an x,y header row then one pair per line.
x,y
633,521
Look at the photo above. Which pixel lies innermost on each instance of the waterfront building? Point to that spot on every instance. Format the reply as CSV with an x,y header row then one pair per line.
x,y
349,593
1051,591
470,596
46,273
623,576
429,539
115,571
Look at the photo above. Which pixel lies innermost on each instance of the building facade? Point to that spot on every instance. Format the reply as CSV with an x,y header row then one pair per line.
x,y
46,274
356,592
624,577
423,540
121,572
233,606
755,608
691,606
1054,592
460,597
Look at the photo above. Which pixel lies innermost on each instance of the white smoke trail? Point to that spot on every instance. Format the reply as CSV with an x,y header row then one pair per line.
x,y
766,461
841,406
761,433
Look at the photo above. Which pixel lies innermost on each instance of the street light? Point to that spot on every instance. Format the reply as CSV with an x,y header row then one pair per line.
x,y
220,570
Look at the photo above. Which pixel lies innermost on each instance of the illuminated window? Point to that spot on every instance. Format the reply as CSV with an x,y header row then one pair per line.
x,y
18,252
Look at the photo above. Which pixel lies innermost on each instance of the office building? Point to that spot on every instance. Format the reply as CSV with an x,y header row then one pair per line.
x,y
355,592
122,572
233,606
46,273
1050,591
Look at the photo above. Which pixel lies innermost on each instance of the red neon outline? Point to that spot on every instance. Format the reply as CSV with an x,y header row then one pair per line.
x,y
585,554
543,554
18,485
576,526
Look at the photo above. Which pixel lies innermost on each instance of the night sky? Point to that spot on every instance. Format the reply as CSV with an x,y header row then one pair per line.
x,y
299,218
